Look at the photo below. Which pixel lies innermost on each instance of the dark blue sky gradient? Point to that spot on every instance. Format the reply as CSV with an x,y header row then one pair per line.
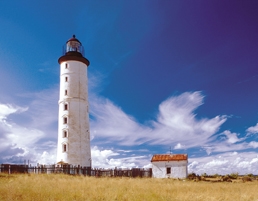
x,y
207,46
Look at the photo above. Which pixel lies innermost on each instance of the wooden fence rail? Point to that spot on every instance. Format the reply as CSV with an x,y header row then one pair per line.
x,y
75,170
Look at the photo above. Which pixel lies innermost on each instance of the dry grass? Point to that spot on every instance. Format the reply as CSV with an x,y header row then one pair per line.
x,y
65,187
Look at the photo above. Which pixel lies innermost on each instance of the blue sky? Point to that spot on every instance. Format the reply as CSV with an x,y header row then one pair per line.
x,y
179,75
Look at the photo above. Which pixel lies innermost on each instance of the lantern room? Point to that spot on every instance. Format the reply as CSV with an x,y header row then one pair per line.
x,y
73,45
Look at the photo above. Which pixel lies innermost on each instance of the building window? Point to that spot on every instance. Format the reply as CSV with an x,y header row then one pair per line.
x,y
65,120
66,65
168,170
65,133
65,106
66,92
64,147
66,79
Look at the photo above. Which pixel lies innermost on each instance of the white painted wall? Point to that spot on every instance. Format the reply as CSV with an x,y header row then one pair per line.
x,y
178,169
77,127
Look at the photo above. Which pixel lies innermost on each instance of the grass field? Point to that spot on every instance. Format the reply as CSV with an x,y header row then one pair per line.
x,y
66,187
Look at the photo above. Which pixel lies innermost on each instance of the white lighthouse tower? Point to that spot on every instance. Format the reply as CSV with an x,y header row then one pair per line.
x,y
73,122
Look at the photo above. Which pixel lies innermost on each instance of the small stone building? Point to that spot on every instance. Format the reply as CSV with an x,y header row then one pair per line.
x,y
169,166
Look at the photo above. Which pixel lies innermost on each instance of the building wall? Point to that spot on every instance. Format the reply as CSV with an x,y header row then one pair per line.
x,y
73,94
178,169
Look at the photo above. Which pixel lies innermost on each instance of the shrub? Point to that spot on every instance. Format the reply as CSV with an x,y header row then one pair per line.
x,y
246,178
191,176
216,175
233,175
204,175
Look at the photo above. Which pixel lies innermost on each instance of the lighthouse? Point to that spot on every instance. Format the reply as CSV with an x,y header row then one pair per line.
x,y
73,146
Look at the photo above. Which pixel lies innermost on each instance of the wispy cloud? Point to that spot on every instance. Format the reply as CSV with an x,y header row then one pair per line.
x,y
43,109
176,123
112,123
7,109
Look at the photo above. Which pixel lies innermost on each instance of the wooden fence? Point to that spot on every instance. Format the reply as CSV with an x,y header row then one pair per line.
x,y
75,170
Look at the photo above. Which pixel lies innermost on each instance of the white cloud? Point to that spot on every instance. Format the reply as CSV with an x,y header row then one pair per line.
x,y
11,135
224,146
216,163
17,141
179,146
225,163
228,142
46,157
232,137
252,129
253,144
254,160
24,131
107,158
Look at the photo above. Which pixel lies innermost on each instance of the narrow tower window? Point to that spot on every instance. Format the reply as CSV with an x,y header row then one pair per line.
x,y
65,106
66,79
65,133
66,92
64,147
66,65
65,120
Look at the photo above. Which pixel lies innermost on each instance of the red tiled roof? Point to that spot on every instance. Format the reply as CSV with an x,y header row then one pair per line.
x,y
169,157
